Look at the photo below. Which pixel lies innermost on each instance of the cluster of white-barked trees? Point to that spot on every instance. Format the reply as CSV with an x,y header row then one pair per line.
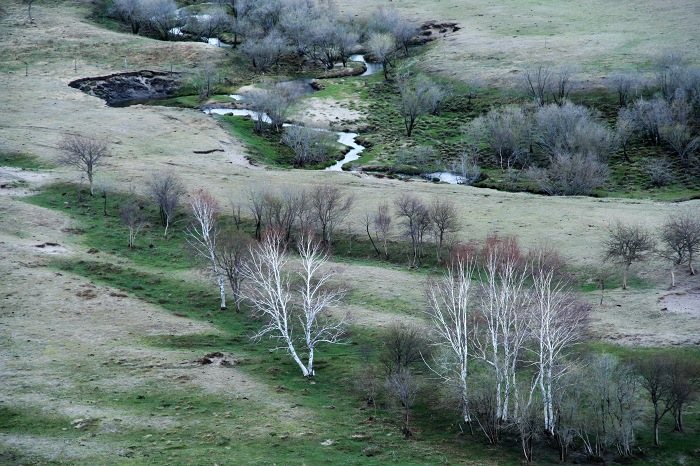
x,y
506,328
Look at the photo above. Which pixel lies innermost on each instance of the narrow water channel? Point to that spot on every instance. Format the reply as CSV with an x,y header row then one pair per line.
x,y
344,138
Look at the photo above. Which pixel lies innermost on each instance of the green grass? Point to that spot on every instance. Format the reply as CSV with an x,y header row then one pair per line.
x,y
265,148
219,426
24,161
108,235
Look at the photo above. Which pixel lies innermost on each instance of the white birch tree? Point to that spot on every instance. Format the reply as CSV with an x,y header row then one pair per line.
x,y
202,235
288,314
449,308
500,327
557,322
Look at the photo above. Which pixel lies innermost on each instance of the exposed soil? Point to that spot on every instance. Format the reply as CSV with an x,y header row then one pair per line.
x,y
123,87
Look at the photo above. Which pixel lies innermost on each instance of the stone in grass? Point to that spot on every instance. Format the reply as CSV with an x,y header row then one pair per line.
x,y
83,424
327,442
371,450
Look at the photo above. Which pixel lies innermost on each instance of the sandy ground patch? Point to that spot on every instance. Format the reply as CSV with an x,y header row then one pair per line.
x,y
683,302
16,181
328,114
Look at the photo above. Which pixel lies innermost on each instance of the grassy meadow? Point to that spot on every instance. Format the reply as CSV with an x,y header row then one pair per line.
x,y
100,360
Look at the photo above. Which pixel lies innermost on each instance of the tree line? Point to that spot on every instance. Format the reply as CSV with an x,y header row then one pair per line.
x,y
502,323
306,31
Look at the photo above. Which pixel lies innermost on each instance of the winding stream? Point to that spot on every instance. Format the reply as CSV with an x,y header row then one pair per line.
x,y
345,138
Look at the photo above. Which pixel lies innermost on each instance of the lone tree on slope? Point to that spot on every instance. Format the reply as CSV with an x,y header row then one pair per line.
x,y
83,153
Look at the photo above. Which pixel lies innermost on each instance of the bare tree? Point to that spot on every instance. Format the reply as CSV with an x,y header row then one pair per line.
x,y
266,51
257,209
309,145
388,21
203,80
203,235
233,252
403,385
329,206
209,23
660,172
132,216
625,129
129,12
484,406
651,116
161,17
572,129
274,104
382,47
416,216
558,322
418,97
501,326
685,384
681,139
444,220
654,371
602,276
537,82
238,9
83,153
166,189
347,39
325,45
562,83
270,293
420,158
627,244
507,131
449,308
29,4
380,221
404,345
614,406
680,234
527,420
571,175
280,211
467,168
624,84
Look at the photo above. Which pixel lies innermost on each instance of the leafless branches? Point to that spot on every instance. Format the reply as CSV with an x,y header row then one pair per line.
x,y
132,216
233,253
309,145
203,234
270,293
627,244
166,189
83,153
680,234
329,206
449,308
418,97
416,220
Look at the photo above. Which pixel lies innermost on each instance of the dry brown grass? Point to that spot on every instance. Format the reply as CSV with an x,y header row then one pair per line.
x,y
498,38
40,108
